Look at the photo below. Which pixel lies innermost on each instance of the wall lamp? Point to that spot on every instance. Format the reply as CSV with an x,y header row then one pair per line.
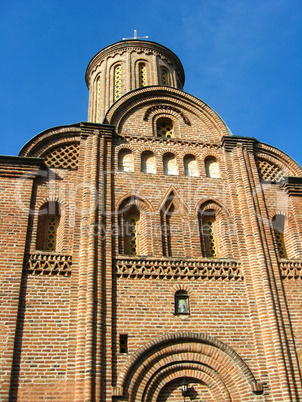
x,y
184,387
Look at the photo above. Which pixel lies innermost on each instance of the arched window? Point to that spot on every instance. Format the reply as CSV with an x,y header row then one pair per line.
x,y
208,233
134,227
278,227
169,164
117,82
148,162
142,74
172,227
164,76
190,166
182,302
164,128
125,160
48,224
212,167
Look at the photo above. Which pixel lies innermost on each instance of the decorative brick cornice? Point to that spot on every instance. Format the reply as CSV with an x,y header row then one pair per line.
x,y
130,267
292,185
43,263
291,269
16,166
232,141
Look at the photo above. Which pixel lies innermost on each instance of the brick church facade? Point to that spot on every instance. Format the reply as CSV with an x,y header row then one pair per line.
x,y
149,246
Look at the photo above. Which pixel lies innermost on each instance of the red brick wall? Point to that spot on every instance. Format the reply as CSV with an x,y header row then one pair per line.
x,y
16,191
45,339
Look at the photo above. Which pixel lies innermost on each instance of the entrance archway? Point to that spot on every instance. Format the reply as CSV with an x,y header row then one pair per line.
x,y
156,370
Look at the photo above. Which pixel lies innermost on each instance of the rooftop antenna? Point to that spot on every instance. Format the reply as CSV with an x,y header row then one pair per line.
x,y
136,37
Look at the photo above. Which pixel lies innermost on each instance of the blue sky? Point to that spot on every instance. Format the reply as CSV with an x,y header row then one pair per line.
x,y
243,58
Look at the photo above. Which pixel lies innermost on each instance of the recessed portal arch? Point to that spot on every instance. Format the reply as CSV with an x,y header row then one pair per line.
x,y
202,358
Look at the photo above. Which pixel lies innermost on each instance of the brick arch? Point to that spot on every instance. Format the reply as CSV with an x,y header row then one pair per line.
x,y
181,286
167,110
120,110
194,371
132,199
125,146
275,212
275,160
212,204
177,199
192,152
214,360
170,116
167,150
145,148
275,155
62,203
51,138
210,152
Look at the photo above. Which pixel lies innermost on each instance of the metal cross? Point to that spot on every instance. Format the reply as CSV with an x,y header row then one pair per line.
x,y
136,37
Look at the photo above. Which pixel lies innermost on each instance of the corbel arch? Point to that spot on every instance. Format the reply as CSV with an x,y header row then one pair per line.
x,y
185,354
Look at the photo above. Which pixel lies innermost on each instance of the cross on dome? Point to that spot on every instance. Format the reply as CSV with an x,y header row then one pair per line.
x,y
136,37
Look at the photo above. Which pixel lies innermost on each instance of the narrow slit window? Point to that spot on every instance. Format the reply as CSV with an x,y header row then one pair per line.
x,y
208,228
164,76
278,227
123,343
51,233
280,244
142,74
132,235
48,226
117,82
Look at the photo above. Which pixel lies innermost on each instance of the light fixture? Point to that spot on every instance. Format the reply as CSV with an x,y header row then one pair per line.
x,y
184,386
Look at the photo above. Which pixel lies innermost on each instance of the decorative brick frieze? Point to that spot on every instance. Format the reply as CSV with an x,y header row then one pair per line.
x,y
174,268
291,269
48,264
168,141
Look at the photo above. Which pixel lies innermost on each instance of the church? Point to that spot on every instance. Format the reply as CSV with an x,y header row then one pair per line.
x,y
148,254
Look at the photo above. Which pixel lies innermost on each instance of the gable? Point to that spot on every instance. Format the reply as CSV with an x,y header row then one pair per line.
x,y
137,113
